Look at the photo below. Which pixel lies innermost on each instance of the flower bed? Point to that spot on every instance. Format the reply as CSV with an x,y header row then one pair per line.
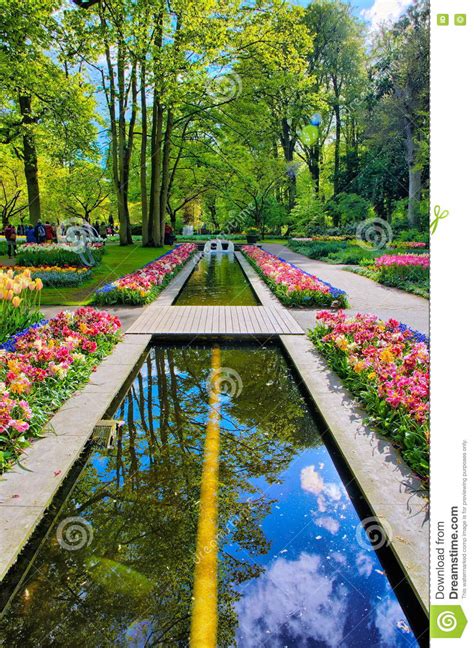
x,y
397,268
327,237
386,365
403,260
19,301
57,275
293,286
396,245
55,254
144,285
42,367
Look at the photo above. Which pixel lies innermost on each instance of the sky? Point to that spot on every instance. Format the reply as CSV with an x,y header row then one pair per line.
x,y
374,12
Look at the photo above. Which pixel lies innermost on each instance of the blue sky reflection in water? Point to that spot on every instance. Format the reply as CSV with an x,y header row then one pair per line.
x,y
291,571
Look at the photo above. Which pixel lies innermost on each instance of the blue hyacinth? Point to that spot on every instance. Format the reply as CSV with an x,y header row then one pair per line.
x,y
10,344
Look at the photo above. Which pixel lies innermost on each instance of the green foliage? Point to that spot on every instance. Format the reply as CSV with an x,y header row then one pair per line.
x,y
398,275
218,133
345,209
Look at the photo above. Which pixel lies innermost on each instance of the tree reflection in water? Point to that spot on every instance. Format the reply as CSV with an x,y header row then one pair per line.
x,y
133,583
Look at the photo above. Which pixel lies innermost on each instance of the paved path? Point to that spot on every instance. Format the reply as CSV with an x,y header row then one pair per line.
x,y
365,295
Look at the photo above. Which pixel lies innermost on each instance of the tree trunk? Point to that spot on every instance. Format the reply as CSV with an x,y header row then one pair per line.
x,y
414,177
337,146
288,145
143,160
124,143
30,160
314,166
165,174
154,226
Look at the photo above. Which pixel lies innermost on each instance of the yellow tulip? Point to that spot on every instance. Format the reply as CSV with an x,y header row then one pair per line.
x,y
16,301
39,284
387,356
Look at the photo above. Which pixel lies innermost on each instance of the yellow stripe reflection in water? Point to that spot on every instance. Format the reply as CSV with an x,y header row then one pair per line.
x,y
204,612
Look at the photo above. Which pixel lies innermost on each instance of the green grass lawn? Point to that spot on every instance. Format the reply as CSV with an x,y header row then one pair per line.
x,y
117,261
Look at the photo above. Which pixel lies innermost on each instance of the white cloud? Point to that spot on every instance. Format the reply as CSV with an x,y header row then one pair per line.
x,y
384,11
364,564
328,523
390,622
293,602
311,481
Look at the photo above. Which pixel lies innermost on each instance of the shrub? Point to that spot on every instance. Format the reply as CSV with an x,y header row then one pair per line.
x,y
317,250
348,208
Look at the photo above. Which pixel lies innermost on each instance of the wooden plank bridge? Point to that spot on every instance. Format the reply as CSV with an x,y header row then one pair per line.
x,y
216,320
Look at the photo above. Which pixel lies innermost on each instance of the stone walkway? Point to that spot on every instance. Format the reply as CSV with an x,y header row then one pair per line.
x,y
365,295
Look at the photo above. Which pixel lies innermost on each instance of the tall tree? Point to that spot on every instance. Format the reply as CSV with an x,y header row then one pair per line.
x,y
336,62
401,74
44,108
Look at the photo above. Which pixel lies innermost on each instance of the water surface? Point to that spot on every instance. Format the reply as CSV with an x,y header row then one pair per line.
x,y
295,567
218,280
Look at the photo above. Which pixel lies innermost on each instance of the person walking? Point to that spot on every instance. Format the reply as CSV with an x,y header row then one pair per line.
x,y
30,234
48,228
40,232
10,237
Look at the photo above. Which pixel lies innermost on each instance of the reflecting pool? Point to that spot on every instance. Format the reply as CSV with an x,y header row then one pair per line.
x,y
218,280
294,566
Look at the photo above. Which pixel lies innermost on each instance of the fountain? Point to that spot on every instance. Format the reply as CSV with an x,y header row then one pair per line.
x,y
219,245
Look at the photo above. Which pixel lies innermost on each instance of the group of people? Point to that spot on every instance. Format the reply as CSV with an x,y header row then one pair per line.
x,y
48,233
39,233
